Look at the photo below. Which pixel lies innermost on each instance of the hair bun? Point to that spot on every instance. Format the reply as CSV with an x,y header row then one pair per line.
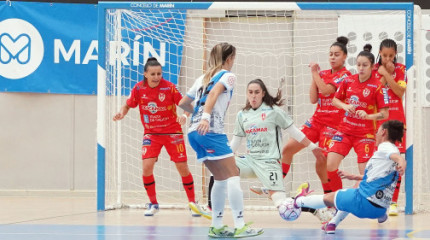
x,y
152,59
342,39
367,47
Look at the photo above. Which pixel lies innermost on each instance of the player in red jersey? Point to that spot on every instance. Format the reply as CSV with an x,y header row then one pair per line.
x,y
157,99
323,124
361,96
393,78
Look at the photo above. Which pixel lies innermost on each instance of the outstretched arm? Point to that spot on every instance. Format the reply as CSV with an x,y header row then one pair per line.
x,y
122,112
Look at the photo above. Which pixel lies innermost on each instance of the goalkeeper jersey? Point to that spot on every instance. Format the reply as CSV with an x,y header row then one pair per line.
x,y
262,129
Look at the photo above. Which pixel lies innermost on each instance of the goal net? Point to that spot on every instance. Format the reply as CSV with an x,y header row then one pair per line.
x,y
275,42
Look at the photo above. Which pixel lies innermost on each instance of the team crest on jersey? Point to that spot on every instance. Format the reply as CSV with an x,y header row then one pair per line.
x,y
263,116
230,80
366,92
161,96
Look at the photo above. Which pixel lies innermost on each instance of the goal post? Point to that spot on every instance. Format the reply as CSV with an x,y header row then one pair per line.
x,y
275,42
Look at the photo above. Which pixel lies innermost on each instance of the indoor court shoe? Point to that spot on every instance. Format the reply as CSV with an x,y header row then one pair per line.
x,y
247,231
197,209
393,211
152,209
383,218
325,214
223,232
329,228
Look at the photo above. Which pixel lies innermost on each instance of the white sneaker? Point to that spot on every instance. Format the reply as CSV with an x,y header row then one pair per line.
x,y
325,214
259,190
152,209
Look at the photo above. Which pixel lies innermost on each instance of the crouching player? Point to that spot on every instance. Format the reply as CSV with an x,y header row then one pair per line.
x,y
372,198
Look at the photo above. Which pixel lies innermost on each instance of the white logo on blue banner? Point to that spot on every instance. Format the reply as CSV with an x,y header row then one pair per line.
x,y
21,48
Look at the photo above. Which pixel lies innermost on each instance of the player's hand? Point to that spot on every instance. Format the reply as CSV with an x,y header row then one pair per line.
x,y
389,66
401,167
319,154
382,71
361,114
314,67
118,116
203,127
346,175
349,109
182,119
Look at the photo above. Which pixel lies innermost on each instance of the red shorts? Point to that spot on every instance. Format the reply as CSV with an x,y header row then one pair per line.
x,y
174,144
318,132
342,144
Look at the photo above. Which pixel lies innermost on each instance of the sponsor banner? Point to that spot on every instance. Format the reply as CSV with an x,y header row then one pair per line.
x,y
48,48
53,48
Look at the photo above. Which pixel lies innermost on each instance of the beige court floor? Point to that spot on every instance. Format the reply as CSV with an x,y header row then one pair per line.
x,y
77,211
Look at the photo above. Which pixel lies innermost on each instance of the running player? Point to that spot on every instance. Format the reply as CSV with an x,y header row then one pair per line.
x,y
260,122
157,99
212,93
393,78
361,96
373,196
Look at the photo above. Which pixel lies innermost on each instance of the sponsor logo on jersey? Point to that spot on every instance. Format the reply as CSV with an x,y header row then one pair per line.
x,y
253,129
263,116
153,108
379,194
166,88
366,92
230,80
338,80
146,118
372,85
161,96
308,124
337,138
385,93
355,100
146,142
210,151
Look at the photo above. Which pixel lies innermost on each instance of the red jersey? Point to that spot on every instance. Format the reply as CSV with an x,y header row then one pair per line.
x,y
368,96
157,106
326,113
396,104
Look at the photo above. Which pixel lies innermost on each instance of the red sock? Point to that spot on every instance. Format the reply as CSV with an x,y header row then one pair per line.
x,y
188,183
326,187
149,184
396,191
334,180
285,169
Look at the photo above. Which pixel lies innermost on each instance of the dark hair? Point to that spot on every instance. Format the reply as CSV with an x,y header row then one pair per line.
x,y
395,130
367,53
341,42
387,43
152,61
267,99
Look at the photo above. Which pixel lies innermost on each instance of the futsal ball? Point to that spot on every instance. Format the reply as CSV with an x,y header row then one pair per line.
x,y
288,211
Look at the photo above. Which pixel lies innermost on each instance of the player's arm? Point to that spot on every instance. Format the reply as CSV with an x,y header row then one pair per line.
x,y
122,112
203,126
313,93
340,104
395,87
324,88
401,162
186,105
349,176
235,143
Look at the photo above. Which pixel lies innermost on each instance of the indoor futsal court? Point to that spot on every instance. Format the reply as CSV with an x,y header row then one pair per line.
x,y
70,170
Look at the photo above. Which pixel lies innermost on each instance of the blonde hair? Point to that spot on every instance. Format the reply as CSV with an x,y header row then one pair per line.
x,y
219,55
